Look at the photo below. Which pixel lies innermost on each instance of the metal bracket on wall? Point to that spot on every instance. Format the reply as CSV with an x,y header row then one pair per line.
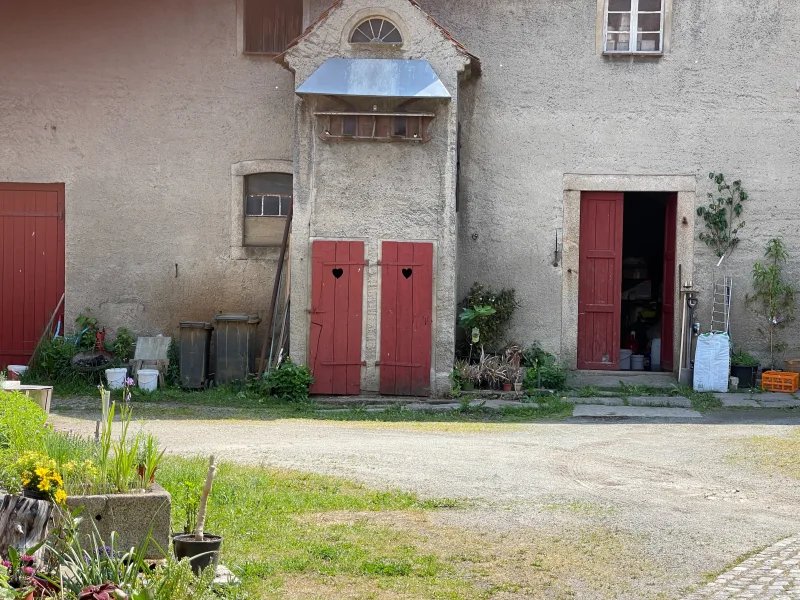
x,y
338,263
387,364
363,363
399,264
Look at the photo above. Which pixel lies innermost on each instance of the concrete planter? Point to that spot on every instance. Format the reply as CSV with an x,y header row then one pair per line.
x,y
131,515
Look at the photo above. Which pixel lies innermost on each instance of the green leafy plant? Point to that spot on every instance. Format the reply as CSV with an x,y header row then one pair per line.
x,y
86,330
773,298
721,215
126,451
122,345
543,369
742,358
149,458
289,382
490,311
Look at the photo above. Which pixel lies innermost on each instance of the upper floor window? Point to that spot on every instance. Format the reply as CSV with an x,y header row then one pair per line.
x,y
376,30
266,195
269,25
634,27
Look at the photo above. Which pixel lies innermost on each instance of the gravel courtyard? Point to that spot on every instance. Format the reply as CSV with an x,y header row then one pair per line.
x,y
683,501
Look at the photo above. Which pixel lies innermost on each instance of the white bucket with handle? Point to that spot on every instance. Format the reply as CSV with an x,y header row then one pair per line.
x,y
148,379
116,378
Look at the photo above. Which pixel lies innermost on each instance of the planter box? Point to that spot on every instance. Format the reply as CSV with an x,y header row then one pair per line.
x,y
131,515
746,375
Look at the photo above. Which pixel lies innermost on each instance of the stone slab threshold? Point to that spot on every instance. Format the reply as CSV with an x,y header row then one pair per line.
x,y
634,412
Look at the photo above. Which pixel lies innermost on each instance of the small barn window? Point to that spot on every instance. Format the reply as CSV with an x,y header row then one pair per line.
x,y
269,25
268,198
634,27
376,30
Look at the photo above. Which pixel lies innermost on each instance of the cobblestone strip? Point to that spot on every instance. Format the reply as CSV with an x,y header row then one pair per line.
x,y
773,574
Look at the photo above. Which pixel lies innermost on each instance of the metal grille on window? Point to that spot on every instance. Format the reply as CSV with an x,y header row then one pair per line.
x,y
643,19
376,31
268,195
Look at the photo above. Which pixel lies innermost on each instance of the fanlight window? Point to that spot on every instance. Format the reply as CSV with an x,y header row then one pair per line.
x,y
376,31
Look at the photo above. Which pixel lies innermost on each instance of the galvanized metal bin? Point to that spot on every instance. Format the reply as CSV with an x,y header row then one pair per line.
x,y
195,350
235,346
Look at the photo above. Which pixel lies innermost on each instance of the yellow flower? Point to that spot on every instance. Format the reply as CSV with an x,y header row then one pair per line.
x,y
60,496
41,472
57,478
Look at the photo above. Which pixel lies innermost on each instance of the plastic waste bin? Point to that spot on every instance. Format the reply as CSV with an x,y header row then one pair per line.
x,y
195,350
235,346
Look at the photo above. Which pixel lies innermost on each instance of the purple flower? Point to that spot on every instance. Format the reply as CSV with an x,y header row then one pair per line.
x,y
28,571
6,564
128,381
27,558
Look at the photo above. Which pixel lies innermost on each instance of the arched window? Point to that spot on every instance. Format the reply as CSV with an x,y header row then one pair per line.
x,y
376,30
267,196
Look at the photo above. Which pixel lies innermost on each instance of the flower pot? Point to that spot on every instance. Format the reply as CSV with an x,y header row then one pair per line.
x,y
468,386
507,387
35,495
745,375
518,386
200,554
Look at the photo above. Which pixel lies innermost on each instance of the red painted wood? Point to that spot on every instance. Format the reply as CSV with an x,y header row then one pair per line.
x,y
31,265
668,301
600,280
335,331
406,315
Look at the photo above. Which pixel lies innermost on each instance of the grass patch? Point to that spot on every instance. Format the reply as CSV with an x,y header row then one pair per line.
x,y
773,453
701,401
268,542
711,576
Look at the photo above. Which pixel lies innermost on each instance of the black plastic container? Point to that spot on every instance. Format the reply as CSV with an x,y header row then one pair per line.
x,y
195,351
746,375
200,554
235,347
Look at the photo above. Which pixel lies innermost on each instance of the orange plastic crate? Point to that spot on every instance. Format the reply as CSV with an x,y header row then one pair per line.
x,y
780,381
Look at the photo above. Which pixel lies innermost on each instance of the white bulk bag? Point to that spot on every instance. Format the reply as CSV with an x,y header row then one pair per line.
x,y
712,363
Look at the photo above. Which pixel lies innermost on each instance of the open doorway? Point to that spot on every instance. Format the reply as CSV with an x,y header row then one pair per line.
x,y
643,282
626,280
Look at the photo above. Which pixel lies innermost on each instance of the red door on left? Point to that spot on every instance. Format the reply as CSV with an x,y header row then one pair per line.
x,y
31,265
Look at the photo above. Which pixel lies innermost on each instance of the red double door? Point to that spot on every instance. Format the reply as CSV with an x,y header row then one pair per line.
x,y
600,281
335,355
31,265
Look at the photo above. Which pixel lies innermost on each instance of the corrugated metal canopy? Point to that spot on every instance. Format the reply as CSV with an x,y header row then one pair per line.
x,y
385,77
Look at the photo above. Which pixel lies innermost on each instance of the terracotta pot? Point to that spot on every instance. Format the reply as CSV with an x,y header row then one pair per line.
x,y
507,387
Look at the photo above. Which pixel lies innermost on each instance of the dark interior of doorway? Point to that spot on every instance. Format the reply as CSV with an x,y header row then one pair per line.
x,y
642,270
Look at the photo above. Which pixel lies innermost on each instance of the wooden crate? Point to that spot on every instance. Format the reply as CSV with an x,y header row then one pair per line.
x,y
780,381
792,364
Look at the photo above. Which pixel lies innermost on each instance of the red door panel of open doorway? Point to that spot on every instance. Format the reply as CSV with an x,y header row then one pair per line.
x,y
406,310
668,299
31,265
337,277
600,280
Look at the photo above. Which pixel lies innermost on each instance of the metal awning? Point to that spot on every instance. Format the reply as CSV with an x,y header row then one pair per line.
x,y
385,77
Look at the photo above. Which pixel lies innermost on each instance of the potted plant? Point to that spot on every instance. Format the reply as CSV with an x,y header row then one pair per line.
x,y
472,377
148,460
39,479
744,367
773,298
201,548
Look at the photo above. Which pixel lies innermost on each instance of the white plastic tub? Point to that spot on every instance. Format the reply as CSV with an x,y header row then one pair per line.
x,y
637,362
14,371
655,355
148,379
116,378
625,359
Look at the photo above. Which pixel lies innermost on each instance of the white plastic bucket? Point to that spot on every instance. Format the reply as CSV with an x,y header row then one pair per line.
x,y
148,379
14,371
655,355
625,359
637,362
116,378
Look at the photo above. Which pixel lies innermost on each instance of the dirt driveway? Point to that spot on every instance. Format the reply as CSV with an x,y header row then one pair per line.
x,y
680,500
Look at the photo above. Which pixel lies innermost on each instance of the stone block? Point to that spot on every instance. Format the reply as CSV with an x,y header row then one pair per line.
x,y
131,515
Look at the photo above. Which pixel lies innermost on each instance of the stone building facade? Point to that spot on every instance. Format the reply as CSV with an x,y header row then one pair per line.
x,y
154,115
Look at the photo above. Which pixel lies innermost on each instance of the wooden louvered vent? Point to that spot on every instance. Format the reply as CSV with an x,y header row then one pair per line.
x,y
269,25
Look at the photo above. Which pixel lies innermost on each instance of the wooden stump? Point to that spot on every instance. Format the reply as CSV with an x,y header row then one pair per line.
x,y
24,522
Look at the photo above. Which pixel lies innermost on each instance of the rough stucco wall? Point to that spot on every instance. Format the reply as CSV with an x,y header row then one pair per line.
x,y
726,97
378,191
141,109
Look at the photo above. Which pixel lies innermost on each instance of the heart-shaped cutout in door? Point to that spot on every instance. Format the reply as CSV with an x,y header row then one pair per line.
x,y
407,273
338,273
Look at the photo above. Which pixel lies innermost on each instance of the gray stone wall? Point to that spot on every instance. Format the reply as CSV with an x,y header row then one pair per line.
x,y
141,108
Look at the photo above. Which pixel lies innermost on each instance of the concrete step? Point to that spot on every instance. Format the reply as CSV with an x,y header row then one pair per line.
x,y
634,412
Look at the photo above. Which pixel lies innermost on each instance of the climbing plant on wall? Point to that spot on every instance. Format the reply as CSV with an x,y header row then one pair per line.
x,y
722,215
